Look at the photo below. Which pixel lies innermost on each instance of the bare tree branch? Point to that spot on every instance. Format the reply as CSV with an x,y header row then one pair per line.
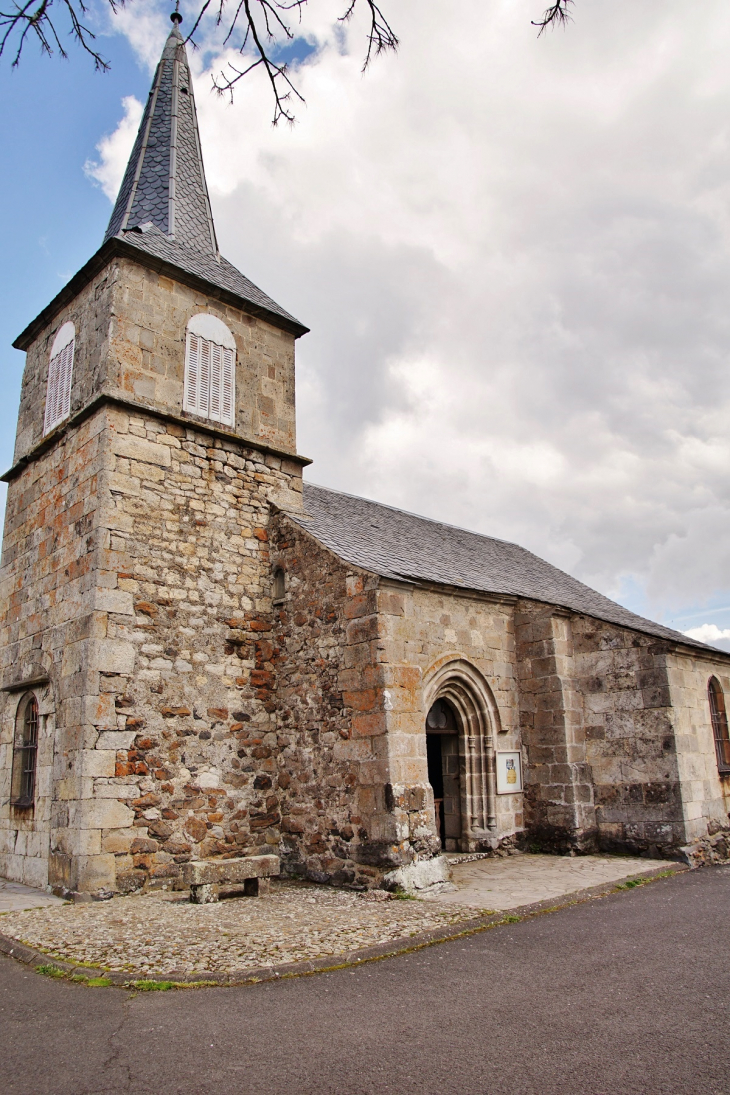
x,y
22,21
381,36
281,85
557,14
263,28
265,25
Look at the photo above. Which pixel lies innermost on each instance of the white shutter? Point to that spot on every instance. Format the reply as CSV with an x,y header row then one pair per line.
x,y
64,381
191,395
204,401
215,381
58,389
227,386
51,392
209,379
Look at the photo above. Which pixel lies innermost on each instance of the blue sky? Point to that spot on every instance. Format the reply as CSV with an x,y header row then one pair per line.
x,y
53,218
514,256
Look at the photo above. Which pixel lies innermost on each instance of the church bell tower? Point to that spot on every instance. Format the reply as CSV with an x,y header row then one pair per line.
x,y
156,430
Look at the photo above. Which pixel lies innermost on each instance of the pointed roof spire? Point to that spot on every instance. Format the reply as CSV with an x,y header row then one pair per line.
x,y
164,184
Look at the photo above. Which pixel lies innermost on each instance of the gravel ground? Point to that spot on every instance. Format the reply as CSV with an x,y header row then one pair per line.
x,y
161,933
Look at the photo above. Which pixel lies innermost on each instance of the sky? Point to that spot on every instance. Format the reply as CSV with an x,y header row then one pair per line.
x,y
513,254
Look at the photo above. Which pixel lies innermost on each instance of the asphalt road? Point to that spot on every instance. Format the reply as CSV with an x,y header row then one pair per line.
x,y
625,994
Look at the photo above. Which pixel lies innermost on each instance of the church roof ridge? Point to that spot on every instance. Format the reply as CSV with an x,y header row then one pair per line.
x,y
395,543
164,184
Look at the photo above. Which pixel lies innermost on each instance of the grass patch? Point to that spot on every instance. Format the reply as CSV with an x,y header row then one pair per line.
x,y
50,971
401,895
511,919
151,986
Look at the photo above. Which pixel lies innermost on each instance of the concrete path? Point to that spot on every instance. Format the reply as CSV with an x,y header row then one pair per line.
x,y
516,880
626,995
14,897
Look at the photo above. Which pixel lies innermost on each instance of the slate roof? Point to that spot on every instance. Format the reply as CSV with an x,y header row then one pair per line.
x,y
396,544
163,207
165,181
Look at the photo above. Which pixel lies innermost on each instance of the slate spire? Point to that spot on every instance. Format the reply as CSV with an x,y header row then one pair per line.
x,y
164,183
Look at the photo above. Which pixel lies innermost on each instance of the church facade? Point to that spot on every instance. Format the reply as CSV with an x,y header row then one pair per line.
x,y
203,655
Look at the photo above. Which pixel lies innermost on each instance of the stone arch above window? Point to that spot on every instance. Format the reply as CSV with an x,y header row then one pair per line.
x,y
210,369
60,370
718,714
25,752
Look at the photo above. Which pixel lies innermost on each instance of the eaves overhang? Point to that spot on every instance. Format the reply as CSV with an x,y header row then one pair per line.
x,y
117,247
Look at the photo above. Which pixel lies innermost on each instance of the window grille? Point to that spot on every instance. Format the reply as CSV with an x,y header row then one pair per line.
x,y
209,379
719,724
60,369
25,752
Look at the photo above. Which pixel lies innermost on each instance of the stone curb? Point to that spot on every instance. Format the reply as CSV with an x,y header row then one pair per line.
x,y
405,945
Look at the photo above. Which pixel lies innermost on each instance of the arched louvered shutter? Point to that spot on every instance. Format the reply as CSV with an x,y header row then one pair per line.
x,y
209,379
60,373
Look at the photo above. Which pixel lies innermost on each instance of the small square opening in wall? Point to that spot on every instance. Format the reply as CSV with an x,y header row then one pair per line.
x,y
509,772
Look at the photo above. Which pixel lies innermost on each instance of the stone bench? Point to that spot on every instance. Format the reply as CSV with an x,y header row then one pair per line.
x,y
206,876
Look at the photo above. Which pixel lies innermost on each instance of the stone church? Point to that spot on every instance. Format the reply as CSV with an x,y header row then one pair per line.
x,y
203,656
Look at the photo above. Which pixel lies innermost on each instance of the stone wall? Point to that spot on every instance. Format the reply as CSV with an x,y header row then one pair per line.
x,y
426,635
91,312
145,598
130,342
354,656
49,596
705,793
332,762
630,737
559,804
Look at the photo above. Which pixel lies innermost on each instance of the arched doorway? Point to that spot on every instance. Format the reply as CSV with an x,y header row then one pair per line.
x,y
461,722
444,775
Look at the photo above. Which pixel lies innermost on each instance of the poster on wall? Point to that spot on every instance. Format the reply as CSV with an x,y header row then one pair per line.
x,y
509,773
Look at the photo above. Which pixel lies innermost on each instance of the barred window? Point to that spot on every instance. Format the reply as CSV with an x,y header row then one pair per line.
x,y
60,368
210,366
719,723
25,751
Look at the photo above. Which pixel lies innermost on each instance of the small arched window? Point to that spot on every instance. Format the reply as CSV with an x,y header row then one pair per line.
x,y
60,368
279,585
25,751
719,723
210,369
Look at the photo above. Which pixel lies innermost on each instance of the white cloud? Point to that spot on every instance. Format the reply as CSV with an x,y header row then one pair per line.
x,y
708,633
711,634
114,149
513,254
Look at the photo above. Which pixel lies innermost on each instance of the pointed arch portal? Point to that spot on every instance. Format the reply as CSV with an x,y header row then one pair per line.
x,y
457,691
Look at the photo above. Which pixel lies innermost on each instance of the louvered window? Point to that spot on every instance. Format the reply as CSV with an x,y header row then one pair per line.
x,y
718,715
210,364
60,370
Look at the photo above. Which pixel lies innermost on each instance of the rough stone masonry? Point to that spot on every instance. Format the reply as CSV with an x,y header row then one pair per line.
x,y
202,656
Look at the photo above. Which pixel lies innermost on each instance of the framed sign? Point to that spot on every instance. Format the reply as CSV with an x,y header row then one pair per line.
x,y
509,773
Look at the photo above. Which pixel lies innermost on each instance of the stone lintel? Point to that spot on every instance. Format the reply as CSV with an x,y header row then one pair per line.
x,y
28,682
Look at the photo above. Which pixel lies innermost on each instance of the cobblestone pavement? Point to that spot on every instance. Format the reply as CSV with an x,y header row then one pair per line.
x,y
162,933
15,896
508,883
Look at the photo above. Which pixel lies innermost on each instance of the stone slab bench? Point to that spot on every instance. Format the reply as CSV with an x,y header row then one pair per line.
x,y
206,876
